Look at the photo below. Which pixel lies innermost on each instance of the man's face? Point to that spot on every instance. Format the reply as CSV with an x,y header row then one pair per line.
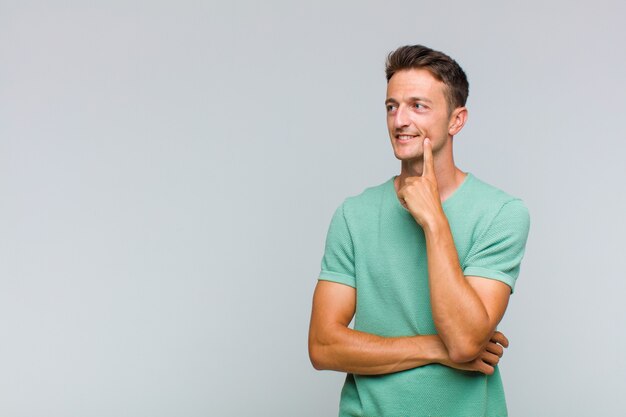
x,y
416,108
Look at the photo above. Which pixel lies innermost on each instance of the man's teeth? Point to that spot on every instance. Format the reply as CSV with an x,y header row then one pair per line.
x,y
405,137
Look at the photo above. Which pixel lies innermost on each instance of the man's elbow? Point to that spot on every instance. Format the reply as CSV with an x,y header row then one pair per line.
x,y
317,356
325,346
465,351
466,346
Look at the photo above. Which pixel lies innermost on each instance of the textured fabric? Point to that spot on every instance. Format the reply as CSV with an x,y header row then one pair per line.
x,y
375,245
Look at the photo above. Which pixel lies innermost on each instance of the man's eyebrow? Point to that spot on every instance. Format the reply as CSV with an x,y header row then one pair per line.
x,y
427,100
394,101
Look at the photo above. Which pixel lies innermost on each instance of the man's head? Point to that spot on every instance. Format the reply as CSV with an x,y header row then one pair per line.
x,y
426,94
440,65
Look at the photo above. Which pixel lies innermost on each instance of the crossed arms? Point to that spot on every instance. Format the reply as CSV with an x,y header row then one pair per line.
x,y
333,345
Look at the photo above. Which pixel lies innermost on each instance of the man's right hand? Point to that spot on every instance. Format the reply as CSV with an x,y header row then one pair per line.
x,y
488,358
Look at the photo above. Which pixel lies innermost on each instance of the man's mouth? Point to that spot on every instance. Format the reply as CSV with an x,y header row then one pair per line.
x,y
405,138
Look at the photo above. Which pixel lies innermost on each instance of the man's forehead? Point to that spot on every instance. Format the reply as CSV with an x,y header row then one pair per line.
x,y
418,82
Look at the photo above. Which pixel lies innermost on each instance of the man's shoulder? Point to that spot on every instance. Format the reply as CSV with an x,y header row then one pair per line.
x,y
368,198
484,192
489,200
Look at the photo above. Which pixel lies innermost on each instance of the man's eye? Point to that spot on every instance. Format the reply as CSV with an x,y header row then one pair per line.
x,y
390,107
419,105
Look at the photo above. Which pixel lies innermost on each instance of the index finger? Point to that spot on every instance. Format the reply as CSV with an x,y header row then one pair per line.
x,y
429,166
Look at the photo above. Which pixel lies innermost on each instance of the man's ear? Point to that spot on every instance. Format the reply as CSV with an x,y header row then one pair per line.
x,y
457,120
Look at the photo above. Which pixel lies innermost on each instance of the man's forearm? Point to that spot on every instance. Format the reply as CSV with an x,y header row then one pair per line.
x,y
347,350
461,319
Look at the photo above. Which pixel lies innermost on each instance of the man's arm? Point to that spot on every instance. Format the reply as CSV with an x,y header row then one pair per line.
x,y
333,345
466,310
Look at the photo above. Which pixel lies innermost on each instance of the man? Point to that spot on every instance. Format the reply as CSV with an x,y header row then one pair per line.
x,y
424,262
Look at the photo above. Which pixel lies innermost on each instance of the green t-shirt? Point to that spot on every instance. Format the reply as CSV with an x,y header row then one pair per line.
x,y
375,245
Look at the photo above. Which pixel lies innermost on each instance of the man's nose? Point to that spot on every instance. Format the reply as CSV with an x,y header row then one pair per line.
x,y
401,118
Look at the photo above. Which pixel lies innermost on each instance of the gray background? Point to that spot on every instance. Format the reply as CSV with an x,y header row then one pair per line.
x,y
168,171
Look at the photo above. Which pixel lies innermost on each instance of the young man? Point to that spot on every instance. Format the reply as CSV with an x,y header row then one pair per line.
x,y
424,262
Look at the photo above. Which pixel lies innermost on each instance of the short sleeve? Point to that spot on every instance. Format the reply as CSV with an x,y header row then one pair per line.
x,y
498,252
338,259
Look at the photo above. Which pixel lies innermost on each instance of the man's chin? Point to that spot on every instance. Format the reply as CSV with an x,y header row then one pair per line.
x,y
413,157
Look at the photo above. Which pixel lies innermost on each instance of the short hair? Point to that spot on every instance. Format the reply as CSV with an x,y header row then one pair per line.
x,y
440,65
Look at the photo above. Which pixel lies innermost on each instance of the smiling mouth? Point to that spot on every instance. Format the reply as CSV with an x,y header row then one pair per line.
x,y
405,138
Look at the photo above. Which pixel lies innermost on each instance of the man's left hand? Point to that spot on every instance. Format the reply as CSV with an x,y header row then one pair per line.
x,y
420,194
